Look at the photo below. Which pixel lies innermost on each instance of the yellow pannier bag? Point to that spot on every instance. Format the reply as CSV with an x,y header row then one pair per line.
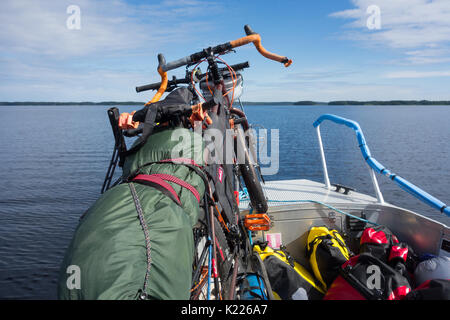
x,y
289,280
327,251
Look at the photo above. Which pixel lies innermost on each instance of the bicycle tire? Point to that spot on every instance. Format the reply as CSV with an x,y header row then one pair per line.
x,y
258,200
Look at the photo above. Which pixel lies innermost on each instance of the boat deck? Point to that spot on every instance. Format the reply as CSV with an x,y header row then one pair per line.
x,y
283,192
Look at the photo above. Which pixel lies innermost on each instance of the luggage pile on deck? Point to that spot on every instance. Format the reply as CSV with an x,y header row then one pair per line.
x,y
380,268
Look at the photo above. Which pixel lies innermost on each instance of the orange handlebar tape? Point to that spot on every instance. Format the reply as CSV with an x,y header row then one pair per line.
x,y
256,40
162,88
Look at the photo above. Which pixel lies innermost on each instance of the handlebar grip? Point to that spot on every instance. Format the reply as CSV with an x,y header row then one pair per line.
x,y
248,30
156,86
176,64
240,66
161,60
153,86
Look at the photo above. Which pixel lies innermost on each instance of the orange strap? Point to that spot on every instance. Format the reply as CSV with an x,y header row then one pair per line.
x,y
126,121
198,114
256,39
231,121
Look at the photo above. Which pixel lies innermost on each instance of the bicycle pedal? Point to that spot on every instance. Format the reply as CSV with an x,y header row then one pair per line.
x,y
257,222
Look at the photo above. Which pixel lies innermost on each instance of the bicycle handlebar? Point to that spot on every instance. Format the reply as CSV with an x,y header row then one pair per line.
x,y
175,81
251,37
222,48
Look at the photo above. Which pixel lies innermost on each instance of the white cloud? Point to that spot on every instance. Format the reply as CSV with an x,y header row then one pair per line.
x,y
412,74
411,25
331,84
428,56
39,27
29,82
114,50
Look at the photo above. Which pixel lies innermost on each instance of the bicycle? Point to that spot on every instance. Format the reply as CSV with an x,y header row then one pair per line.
x,y
222,235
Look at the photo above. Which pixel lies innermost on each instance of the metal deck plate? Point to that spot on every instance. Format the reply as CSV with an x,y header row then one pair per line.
x,y
301,189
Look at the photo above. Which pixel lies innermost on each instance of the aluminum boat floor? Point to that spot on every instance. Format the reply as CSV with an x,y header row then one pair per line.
x,y
281,192
292,218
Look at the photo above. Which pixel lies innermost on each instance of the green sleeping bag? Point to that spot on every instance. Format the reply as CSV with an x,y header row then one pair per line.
x,y
113,254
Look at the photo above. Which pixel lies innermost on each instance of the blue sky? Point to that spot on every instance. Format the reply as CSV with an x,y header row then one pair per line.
x,y
336,56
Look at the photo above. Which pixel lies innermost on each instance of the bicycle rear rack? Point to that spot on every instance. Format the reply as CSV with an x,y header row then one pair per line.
x,y
375,166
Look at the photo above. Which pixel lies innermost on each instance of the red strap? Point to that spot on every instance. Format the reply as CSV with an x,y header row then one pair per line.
x,y
160,177
180,182
161,182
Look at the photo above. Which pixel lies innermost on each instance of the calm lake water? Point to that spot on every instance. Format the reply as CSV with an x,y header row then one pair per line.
x,y
54,159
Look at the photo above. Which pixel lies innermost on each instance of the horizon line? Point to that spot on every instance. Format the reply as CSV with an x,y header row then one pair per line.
x,y
298,102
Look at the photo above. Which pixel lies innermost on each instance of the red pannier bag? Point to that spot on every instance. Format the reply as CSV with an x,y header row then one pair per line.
x,y
365,277
381,243
378,242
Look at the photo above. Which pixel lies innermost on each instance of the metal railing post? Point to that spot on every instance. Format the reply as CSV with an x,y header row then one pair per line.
x,y
322,157
375,186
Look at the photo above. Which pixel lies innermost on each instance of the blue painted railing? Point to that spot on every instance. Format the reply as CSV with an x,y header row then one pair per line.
x,y
378,167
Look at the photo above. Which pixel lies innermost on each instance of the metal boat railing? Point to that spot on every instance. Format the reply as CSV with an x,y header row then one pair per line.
x,y
375,166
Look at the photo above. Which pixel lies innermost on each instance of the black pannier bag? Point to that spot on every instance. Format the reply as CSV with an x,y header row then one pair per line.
x,y
436,289
288,279
365,277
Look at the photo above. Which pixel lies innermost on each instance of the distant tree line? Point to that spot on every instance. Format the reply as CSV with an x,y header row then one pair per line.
x,y
389,103
354,103
298,103
87,103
